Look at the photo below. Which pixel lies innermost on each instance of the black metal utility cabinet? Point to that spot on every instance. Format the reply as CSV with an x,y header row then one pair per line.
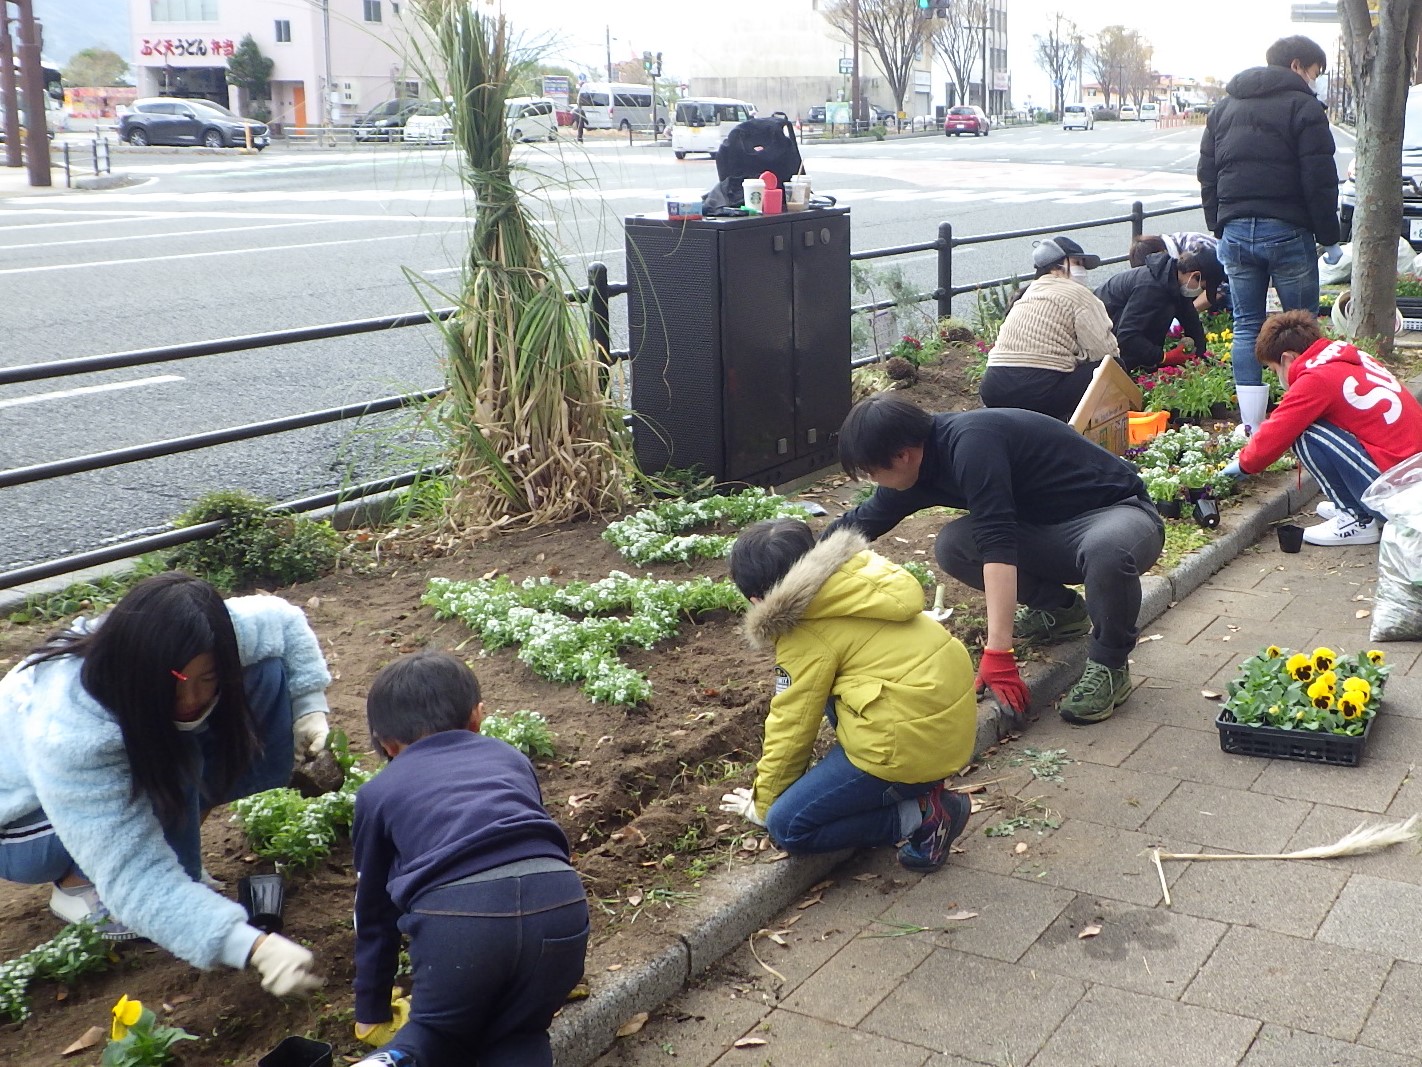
x,y
739,341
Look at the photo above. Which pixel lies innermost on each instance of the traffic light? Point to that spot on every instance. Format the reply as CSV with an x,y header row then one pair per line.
x,y
932,9
647,62
657,66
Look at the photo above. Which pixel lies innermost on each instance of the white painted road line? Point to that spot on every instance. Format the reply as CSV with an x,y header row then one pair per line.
x,y
112,387
157,236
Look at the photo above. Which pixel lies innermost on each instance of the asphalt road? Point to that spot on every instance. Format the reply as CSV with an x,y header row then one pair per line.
x,y
210,245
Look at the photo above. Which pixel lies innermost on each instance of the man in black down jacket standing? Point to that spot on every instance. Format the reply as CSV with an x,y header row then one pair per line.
x,y
1270,188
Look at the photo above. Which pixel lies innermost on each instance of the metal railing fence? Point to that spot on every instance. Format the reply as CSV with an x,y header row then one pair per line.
x,y
597,297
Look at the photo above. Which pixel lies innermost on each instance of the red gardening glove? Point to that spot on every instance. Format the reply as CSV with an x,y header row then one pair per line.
x,y
998,671
1176,357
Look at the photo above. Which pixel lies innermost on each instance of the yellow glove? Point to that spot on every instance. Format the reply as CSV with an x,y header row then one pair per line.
x,y
377,1034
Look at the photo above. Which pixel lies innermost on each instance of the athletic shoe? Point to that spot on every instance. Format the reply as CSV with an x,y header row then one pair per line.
x,y
1326,509
1048,625
82,905
1344,529
1096,695
943,822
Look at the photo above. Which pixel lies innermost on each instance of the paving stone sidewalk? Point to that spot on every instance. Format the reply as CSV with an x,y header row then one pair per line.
x,y
1258,963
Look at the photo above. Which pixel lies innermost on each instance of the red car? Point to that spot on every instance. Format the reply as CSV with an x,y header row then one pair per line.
x,y
966,119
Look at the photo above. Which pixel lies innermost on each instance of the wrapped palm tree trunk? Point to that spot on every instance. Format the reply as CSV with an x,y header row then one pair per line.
x,y
536,438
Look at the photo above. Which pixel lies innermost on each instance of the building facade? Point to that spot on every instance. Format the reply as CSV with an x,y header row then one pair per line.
x,y
334,59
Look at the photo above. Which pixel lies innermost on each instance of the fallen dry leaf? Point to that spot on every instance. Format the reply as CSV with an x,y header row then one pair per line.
x,y
820,886
1020,847
577,800
1361,613
632,1025
809,902
491,574
1210,694
867,876
959,916
1152,637
750,1042
635,897
975,806
87,1040
614,966
1089,931
314,602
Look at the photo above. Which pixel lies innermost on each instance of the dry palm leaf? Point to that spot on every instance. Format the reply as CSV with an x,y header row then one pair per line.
x,y
1356,842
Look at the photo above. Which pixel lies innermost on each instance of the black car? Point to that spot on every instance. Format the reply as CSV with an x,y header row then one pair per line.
x,y
385,122
1410,224
170,120
816,114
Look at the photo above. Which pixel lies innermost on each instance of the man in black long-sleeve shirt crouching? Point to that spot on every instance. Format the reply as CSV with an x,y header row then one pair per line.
x,y
1046,509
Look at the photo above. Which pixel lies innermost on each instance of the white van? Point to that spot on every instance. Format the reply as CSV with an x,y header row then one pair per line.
x,y
531,118
700,124
619,106
1148,113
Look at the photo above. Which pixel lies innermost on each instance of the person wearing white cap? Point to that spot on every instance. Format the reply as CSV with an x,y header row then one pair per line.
x,y
1055,333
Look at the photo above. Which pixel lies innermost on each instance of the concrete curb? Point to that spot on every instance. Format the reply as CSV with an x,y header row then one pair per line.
x,y
733,908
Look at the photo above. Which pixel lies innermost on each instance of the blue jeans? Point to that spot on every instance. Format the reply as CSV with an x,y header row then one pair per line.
x,y
492,962
1256,252
835,805
1340,465
30,852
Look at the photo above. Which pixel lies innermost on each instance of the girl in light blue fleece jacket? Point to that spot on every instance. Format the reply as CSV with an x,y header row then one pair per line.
x,y
121,734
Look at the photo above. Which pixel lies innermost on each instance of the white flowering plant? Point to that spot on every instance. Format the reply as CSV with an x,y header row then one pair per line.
x,y
572,633
526,730
296,831
76,950
658,534
1191,457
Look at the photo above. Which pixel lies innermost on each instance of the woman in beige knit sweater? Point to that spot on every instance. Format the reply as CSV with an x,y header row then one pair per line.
x,y
1055,334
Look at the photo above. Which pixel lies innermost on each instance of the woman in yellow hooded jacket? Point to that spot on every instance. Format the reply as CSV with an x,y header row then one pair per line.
x,y
852,642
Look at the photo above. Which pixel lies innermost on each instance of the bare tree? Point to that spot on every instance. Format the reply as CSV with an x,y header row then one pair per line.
x,y
959,40
1055,55
893,30
1109,59
1140,80
1381,60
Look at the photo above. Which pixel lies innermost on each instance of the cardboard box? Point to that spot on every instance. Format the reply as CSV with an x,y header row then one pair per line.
x,y
1103,415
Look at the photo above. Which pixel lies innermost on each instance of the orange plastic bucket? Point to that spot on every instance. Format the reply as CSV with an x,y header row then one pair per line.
x,y
1143,425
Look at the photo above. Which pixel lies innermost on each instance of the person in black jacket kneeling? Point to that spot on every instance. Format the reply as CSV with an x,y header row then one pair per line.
x,y
1047,509
1145,300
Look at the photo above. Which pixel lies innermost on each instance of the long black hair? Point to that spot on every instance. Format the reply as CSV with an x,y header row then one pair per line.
x,y
130,660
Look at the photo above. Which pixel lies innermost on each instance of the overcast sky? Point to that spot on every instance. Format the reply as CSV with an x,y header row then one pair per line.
x,y
1191,37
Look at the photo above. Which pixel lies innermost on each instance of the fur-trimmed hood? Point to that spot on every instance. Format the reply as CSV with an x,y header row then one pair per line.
x,y
838,577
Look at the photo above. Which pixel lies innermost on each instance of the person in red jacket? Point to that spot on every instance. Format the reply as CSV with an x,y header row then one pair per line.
x,y
1345,416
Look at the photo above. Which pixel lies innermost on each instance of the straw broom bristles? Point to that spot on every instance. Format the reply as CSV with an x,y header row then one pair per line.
x,y
1356,842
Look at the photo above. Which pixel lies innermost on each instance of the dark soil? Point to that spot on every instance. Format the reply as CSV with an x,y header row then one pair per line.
x,y
636,790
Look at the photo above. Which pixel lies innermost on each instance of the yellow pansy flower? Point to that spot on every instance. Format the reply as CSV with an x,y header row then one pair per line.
x,y
126,1012
1273,652
1323,658
1330,679
1375,657
1320,695
1359,686
1299,666
1350,706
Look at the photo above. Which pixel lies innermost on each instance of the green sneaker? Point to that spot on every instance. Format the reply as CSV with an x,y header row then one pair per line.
x,y
1047,625
1098,693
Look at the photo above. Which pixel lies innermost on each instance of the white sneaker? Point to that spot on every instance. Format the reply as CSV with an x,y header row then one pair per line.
x,y
82,905
1326,509
1343,529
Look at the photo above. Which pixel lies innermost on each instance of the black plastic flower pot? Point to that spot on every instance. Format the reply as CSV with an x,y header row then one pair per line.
x,y
1207,513
1290,537
1169,509
298,1052
1195,495
263,895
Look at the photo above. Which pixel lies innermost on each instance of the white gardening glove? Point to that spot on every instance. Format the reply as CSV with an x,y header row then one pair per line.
x,y
285,966
1332,254
741,802
310,733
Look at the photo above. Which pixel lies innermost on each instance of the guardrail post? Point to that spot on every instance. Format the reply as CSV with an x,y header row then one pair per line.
x,y
945,270
1137,219
68,184
599,327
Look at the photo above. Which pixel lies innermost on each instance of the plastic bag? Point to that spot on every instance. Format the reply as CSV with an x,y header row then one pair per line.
x,y
1336,273
1397,604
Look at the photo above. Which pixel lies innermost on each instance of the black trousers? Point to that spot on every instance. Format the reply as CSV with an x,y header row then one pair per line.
x,y
1108,549
492,962
1054,393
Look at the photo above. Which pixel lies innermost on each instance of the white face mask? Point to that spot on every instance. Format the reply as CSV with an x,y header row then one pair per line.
x,y
1078,273
193,724
1190,292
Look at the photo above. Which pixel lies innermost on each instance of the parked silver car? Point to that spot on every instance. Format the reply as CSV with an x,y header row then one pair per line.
x,y
175,121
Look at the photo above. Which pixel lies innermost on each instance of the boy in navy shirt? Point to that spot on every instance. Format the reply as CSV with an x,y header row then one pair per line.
x,y
454,849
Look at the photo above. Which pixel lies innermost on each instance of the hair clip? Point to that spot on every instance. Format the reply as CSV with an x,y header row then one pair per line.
x,y
179,675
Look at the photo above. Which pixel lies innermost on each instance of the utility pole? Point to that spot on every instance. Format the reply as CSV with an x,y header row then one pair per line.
x,y
608,43
854,74
985,57
329,94
32,74
9,96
